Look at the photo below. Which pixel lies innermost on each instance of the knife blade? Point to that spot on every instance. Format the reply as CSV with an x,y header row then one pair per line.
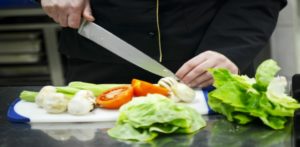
x,y
111,42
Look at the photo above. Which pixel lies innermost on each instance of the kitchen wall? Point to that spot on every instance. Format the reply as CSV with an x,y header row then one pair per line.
x,y
285,42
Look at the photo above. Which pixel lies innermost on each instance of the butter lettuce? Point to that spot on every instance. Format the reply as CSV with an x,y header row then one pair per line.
x,y
144,118
242,99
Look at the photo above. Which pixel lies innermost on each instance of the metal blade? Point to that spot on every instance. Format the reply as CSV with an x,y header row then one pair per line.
x,y
121,48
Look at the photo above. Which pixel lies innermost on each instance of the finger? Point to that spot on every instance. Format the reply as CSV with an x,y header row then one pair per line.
x,y
74,20
199,70
200,80
62,15
87,12
189,65
230,66
55,17
234,69
46,7
63,20
209,82
51,12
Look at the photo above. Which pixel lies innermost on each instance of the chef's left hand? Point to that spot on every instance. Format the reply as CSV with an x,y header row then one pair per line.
x,y
194,72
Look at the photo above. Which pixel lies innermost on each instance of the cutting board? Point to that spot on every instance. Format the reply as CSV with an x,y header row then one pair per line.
x,y
28,112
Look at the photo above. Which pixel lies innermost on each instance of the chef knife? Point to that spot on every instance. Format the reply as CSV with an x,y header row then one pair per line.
x,y
111,42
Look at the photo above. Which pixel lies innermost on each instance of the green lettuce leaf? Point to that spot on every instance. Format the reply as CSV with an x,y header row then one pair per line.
x,y
143,118
276,93
241,99
265,73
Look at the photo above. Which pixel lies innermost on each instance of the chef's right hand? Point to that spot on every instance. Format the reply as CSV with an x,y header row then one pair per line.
x,y
68,13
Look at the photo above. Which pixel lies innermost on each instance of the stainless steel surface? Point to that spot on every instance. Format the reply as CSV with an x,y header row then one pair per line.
x,y
121,48
218,132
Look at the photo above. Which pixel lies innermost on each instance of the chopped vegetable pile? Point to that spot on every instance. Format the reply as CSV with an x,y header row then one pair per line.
x,y
78,98
242,99
144,118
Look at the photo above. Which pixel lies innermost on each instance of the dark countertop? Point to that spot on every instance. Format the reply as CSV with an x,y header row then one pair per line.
x,y
218,132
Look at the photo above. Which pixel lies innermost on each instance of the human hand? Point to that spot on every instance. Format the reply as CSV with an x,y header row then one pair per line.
x,y
68,13
194,72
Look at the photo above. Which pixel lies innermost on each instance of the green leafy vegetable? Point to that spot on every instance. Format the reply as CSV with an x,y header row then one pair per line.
x,y
241,99
265,73
144,118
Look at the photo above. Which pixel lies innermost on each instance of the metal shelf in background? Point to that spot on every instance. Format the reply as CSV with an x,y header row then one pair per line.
x,y
21,12
49,31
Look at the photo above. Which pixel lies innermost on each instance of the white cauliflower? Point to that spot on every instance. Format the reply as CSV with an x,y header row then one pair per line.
x,y
46,90
55,103
50,100
82,103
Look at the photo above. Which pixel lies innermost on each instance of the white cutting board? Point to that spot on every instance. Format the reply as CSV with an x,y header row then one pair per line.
x,y
22,111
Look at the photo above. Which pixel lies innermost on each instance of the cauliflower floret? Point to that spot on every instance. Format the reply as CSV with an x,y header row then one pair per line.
x,y
55,103
82,103
46,90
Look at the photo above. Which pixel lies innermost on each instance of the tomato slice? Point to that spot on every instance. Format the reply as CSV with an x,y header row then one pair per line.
x,y
115,97
142,88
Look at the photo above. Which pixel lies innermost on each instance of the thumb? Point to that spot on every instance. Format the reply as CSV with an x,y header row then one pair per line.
x,y
87,12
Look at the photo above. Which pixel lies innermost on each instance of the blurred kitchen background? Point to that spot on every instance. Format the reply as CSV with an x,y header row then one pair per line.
x,y
29,42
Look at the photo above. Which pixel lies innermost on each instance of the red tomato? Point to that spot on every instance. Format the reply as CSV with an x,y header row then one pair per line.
x,y
115,97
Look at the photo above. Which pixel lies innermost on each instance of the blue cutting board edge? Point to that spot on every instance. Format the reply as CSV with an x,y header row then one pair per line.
x,y
13,116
